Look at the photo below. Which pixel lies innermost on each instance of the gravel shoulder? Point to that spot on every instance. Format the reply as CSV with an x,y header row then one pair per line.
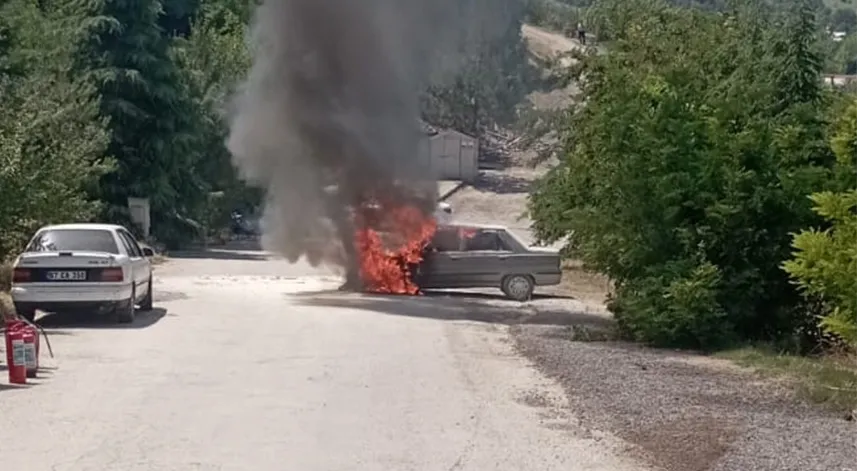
x,y
685,412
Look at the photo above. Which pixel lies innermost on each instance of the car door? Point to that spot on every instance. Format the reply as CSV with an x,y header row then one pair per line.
x,y
145,263
139,264
484,260
441,259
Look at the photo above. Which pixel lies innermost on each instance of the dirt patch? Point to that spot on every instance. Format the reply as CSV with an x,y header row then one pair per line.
x,y
684,414
583,285
5,276
690,444
546,44
7,307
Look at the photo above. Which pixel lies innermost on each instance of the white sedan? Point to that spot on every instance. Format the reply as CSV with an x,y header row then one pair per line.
x,y
97,268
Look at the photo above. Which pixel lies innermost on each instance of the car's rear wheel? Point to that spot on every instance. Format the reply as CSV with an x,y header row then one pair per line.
x,y
125,311
146,304
518,287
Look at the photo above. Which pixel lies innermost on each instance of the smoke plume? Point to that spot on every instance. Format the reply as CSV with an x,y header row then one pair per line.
x,y
328,114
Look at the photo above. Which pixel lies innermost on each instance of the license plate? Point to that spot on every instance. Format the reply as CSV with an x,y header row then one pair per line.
x,y
67,275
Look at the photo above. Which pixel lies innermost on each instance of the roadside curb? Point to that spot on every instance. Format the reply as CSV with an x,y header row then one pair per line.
x,y
443,196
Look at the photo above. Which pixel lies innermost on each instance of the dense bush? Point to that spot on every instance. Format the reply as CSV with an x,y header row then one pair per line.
x,y
687,169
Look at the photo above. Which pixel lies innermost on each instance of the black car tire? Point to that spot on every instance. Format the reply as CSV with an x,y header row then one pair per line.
x,y
125,311
518,287
146,303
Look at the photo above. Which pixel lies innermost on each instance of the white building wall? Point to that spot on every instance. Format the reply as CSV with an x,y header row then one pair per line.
x,y
451,155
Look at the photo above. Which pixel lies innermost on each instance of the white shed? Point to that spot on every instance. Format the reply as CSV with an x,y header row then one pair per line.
x,y
451,155
140,214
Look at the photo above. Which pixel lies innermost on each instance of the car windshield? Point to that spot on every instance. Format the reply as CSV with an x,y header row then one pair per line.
x,y
70,240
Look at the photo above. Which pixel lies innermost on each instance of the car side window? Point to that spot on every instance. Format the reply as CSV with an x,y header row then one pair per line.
x,y
128,249
128,242
445,240
485,241
133,241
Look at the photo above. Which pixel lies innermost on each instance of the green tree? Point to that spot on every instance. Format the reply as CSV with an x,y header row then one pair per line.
x,y
844,19
213,60
151,119
825,260
495,79
52,139
686,169
825,263
177,16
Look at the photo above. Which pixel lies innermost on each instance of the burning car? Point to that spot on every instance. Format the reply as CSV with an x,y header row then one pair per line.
x,y
402,249
484,256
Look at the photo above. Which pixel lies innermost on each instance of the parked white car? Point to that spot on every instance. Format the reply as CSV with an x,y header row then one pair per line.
x,y
97,268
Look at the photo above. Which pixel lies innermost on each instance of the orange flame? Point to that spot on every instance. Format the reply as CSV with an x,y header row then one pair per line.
x,y
388,252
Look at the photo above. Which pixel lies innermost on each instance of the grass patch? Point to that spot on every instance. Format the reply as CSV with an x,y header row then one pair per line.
x,y
831,381
582,284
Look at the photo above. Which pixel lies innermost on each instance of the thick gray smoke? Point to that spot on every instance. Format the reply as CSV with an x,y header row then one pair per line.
x,y
328,114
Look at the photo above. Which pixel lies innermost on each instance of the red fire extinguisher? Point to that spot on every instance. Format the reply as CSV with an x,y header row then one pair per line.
x,y
31,356
15,355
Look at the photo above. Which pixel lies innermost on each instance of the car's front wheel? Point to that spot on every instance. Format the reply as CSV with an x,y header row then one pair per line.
x,y
518,287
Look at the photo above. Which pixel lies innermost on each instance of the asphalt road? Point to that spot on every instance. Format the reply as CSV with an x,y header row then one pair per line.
x,y
248,363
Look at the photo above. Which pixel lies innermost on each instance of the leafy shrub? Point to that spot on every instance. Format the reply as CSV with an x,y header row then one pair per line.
x,y
825,263
683,311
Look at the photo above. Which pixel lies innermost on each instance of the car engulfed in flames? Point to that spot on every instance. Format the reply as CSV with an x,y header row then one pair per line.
x,y
389,242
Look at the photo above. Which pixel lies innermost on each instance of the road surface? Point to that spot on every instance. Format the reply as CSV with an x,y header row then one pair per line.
x,y
247,363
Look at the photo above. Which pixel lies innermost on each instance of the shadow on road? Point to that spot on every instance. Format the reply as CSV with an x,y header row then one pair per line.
x,y
496,297
54,323
495,182
457,307
10,387
4,372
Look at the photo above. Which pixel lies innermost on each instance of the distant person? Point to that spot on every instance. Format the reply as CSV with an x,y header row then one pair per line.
x,y
581,33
